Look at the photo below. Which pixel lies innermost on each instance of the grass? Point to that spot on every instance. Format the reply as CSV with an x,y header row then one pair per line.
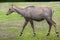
x,y
11,26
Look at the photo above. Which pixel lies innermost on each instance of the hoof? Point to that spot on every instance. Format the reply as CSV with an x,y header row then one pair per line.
x,y
57,35
48,34
34,34
21,34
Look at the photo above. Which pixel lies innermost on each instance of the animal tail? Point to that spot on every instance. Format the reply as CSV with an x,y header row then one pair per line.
x,y
52,11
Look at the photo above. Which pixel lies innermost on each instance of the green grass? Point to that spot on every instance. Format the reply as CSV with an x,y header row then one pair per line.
x,y
11,25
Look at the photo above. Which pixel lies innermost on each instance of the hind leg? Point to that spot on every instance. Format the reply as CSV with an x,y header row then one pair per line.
x,y
54,24
50,25
56,31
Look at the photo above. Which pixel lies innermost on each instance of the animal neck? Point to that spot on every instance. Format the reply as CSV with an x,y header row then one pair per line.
x,y
19,10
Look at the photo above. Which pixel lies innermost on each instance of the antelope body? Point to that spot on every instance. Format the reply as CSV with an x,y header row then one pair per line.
x,y
32,13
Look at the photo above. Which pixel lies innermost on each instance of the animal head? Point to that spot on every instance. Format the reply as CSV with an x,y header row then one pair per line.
x,y
10,10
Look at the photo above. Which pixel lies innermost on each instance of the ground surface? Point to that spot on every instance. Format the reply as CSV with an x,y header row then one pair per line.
x,y
11,26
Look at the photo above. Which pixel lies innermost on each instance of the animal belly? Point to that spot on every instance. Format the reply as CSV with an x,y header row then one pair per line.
x,y
38,18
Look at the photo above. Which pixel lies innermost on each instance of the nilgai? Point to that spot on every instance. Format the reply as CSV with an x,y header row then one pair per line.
x,y
32,13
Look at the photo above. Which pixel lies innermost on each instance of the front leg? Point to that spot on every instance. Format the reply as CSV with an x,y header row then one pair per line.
x,y
32,25
24,25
